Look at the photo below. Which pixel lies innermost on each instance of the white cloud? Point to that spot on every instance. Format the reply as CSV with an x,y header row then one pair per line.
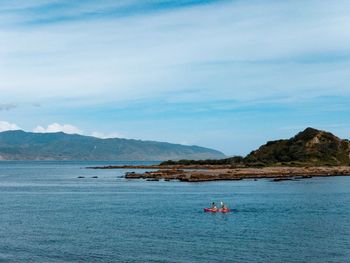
x,y
71,129
56,127
6,126
106,135
236,50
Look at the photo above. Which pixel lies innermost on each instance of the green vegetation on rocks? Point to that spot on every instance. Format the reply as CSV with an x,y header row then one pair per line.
x,y
310,147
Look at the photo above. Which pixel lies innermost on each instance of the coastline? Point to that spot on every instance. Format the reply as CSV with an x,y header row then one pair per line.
x,y
205,173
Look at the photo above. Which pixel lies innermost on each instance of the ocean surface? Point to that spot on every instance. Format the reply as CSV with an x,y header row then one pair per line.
x,y
48,214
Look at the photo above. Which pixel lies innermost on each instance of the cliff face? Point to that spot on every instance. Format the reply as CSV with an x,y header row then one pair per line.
x,y
309,147
20,145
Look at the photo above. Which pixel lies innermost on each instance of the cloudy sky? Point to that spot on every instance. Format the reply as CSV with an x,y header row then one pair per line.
x,y
223,74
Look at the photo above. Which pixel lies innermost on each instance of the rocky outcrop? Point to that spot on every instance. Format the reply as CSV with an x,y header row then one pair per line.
x,y
278,173
309,147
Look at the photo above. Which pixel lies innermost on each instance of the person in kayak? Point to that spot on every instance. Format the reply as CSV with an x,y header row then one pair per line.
x,y
223,206
213,206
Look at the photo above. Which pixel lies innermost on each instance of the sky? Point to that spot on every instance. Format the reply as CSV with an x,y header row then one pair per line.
x,y
228,75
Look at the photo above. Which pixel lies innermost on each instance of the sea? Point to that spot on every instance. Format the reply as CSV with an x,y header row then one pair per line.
x,y
48,214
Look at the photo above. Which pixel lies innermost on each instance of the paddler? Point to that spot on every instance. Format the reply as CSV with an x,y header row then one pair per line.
x,y
223,206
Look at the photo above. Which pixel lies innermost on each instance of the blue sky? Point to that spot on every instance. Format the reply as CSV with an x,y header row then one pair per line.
x,y
229,75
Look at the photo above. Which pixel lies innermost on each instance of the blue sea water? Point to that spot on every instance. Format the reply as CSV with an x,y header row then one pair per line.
x,y
47,214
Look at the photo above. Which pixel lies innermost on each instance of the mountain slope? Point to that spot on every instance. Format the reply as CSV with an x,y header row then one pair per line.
x,y
20,145
310,146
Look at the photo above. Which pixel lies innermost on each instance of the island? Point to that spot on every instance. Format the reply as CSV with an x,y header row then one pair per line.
x,y
308,154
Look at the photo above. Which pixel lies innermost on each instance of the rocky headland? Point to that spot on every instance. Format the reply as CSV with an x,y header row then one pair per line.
x,y
308,154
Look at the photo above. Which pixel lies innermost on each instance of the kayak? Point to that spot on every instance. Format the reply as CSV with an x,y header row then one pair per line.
x,y
211,210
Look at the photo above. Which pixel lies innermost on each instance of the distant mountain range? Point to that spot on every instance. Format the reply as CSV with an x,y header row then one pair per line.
x,y
310,147
20,145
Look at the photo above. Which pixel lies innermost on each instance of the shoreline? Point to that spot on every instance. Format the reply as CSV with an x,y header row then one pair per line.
x,y
162,167
205,173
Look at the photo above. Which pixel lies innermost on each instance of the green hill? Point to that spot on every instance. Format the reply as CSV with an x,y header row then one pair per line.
x,y
20,145
310,147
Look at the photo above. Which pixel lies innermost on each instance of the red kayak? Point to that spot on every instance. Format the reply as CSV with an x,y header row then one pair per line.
x,y
221,210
